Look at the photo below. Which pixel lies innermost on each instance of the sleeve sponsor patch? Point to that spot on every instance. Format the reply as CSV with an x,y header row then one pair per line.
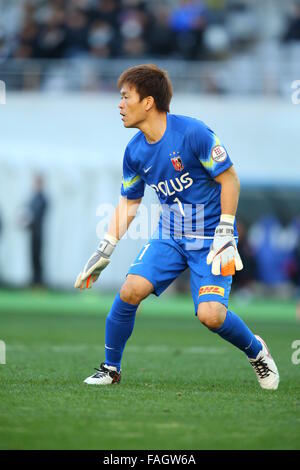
x,y
219,154
204,290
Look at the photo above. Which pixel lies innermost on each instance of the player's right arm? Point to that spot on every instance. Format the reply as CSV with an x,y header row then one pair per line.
x,y
124,214
132,192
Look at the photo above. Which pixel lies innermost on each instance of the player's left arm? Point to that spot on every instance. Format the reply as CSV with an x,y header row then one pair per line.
x,y
223,254
230,191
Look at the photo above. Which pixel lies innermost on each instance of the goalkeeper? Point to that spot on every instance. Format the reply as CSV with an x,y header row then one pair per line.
x,y
191,172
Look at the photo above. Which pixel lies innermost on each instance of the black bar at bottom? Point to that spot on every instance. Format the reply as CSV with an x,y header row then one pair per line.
x,y
138,458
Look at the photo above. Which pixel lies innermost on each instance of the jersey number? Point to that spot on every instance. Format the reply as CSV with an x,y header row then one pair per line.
x,y
180,206
144,251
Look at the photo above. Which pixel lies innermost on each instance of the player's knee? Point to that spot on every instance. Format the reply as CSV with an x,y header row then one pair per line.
x,y
211,314
135,289
130,293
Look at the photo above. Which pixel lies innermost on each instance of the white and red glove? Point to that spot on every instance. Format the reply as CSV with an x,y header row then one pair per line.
x,y
97,262
224,256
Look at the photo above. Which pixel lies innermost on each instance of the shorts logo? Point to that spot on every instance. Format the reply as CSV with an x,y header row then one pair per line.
x,y
211,290
219,154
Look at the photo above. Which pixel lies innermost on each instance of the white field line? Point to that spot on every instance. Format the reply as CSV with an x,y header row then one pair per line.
x,y
85,347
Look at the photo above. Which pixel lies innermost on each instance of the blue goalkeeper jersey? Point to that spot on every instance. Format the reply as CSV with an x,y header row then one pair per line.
x,y
181,168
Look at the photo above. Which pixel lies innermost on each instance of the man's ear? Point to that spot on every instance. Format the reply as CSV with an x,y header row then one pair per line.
x,y
149,103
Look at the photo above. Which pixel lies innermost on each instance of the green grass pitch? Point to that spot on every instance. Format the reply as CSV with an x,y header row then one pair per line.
x,y
182,386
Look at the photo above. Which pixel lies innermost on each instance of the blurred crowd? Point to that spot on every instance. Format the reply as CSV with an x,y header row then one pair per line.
x,y
184,29
232,46
270,249
56,29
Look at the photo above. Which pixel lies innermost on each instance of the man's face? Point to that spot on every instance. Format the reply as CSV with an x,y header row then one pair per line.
x,y
132,109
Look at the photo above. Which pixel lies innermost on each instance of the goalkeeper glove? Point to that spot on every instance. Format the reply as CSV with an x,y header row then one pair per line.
x,y
97,262
223,254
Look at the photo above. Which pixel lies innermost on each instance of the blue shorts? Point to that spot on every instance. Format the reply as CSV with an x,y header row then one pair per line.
x,y
162,260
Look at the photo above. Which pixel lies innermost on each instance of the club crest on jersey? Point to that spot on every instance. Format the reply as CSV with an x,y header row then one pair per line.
x,y
176,161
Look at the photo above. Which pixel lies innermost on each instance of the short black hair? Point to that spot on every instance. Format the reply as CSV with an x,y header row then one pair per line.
x,y
149,80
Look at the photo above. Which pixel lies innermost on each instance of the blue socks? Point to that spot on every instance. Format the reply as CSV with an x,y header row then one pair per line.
x,y
118,328
120,323
237,333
